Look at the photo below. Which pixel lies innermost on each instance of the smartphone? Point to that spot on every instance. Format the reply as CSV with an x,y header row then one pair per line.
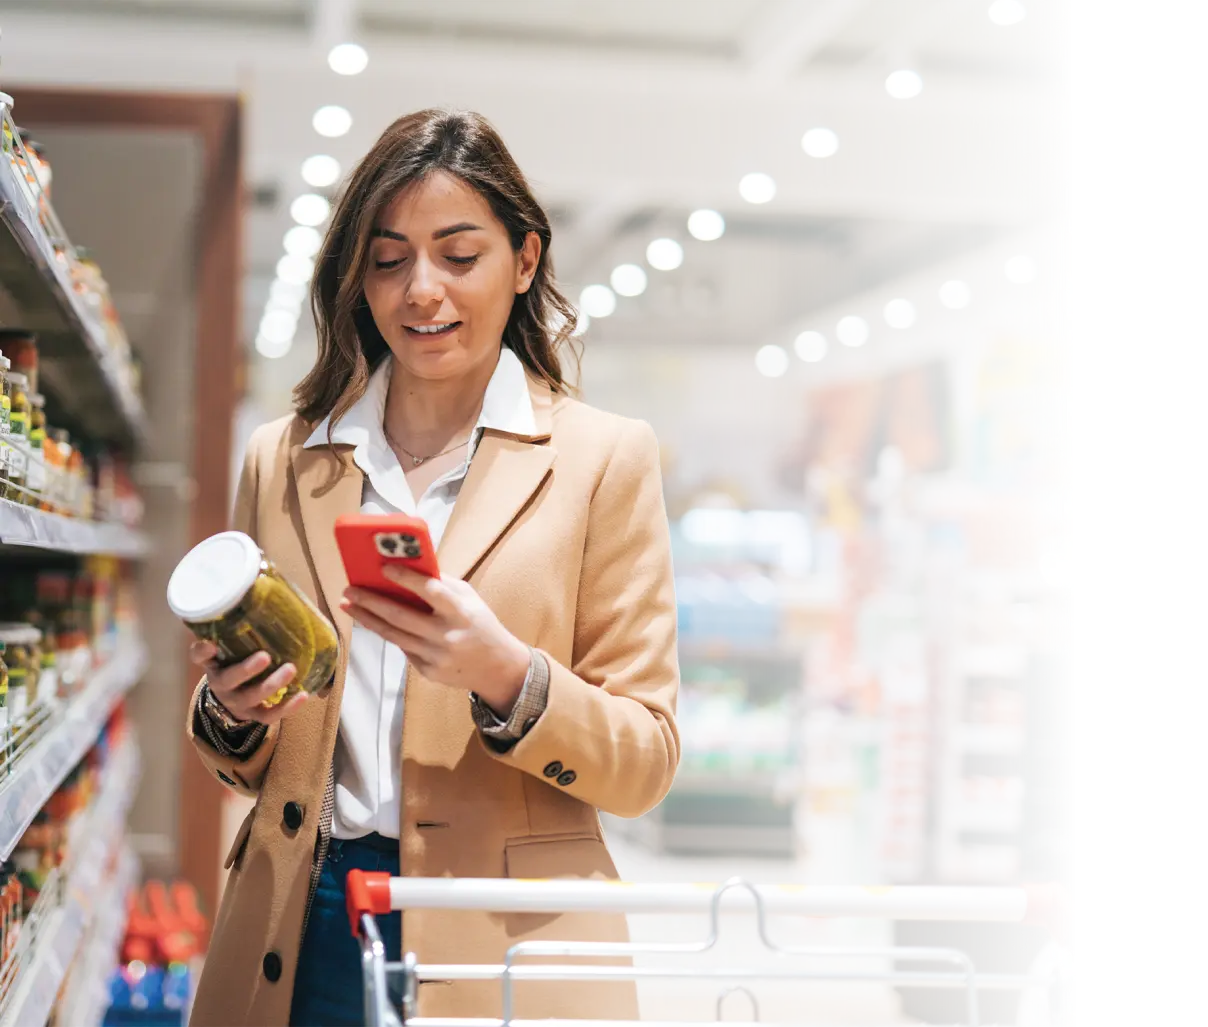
x,y
369,543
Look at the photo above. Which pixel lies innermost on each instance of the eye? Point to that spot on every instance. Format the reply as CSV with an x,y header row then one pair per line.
x,y
464,261
386,265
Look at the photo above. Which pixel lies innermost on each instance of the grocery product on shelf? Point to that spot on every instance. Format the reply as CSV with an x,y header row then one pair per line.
x,y
227,592
20,345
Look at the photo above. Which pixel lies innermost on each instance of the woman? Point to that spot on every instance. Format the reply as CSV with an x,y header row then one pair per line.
x,y
481,739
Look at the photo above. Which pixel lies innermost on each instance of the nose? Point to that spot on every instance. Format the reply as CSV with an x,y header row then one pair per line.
x,y
425,287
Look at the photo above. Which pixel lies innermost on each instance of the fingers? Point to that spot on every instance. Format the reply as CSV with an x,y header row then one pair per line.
x,y
202,653
435,591
280,711
397,615
416,648
244,701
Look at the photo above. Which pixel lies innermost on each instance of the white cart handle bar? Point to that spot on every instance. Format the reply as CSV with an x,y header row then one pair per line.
x,y
380,893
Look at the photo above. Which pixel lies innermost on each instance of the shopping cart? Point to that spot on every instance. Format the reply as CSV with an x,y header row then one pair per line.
x,y
371,894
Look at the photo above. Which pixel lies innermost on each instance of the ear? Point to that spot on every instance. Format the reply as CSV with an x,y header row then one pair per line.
x,y
526,261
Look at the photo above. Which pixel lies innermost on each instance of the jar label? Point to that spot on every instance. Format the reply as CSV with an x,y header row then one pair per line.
x,y
35,478
17,461
18,423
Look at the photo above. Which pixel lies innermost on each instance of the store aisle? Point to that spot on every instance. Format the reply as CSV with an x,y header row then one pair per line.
x,y
820,1004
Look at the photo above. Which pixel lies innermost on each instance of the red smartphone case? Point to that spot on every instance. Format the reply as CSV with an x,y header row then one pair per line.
x,y
371,542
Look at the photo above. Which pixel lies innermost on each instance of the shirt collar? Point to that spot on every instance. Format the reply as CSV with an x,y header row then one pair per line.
x,y
506,407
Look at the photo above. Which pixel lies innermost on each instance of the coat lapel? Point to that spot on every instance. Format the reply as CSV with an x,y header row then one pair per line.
x,y
506,472
326,491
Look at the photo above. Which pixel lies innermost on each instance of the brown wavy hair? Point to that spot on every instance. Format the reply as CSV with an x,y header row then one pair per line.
x,y
417,145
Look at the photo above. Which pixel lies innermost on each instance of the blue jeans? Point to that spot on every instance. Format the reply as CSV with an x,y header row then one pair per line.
x,y
328,989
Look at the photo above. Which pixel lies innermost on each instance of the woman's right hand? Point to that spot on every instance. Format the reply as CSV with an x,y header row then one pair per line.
x,y
229,685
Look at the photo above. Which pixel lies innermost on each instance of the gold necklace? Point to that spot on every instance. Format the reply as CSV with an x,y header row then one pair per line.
x,y
417,460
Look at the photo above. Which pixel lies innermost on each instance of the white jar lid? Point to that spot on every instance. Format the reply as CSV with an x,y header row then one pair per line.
x,y
214,576
19,634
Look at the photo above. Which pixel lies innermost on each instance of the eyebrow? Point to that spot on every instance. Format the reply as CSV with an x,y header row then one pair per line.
x,y
440,233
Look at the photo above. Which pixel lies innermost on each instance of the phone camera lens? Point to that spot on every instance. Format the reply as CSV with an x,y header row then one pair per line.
x,y
408,539
387,543
411,552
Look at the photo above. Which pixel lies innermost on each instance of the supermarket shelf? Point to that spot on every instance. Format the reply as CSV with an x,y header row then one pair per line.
x,y
95,839
704,651
70,732
26,527
986,661
989,740
88,998
81,382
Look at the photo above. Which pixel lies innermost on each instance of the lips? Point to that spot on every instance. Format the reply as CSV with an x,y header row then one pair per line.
x,y
432,331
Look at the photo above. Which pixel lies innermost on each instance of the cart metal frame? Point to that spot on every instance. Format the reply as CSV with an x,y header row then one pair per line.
x,y
370,895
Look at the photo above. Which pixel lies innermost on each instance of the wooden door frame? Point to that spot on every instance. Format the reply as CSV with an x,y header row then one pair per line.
x,y
217,373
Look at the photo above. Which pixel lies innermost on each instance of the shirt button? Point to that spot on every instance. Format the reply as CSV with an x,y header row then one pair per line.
x,y
272,966
567,779
224,779
552,769
293,816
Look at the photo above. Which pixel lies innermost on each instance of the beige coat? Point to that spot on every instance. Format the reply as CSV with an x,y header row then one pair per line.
x,y
564,534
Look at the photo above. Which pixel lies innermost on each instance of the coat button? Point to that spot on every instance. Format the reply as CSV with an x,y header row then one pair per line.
x,y
552,769
567,779
293,816
272,966
224,779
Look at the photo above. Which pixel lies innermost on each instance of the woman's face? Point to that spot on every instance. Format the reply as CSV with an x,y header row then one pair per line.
x,y
442,277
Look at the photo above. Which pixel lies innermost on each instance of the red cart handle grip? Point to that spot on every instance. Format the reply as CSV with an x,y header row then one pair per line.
x,y
366,892
1051,905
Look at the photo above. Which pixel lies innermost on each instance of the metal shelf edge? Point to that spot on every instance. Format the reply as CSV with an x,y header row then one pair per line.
x,y
36,529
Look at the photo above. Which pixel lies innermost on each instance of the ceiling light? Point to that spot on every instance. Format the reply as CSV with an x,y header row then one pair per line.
x,y
597,301
1007,12
320,170
900,313
904,84
332,121
273,348
772,361
706,225
955,295
292,291
757,187
810,346
278,325
303,241
310,209
820,143
1021,270
287,303
348,59
628,280
295,269
852,331
664,254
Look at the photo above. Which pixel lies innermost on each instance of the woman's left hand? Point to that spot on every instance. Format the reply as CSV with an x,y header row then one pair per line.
x,y
461,643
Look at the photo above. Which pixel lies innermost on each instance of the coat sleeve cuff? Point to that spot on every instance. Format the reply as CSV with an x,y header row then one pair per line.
x,y
232,743
502,734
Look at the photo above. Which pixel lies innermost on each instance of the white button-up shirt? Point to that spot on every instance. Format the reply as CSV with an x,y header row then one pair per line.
x,y
368,755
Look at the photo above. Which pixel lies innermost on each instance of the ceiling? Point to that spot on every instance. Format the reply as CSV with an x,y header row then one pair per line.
x,y
626,116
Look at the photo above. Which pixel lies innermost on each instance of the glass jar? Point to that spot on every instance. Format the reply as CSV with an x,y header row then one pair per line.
x,y
20,345
228,593
36,473
22,644
64,500
18,437
6,394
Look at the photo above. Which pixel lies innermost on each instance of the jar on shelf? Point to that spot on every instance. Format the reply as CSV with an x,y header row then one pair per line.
x,y
20,642
64,499
228,593
20,345
36,471
18,437
5,729
6,395
41,165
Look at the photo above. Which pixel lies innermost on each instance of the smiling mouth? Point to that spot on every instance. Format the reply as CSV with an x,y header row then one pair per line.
x,y
431,331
